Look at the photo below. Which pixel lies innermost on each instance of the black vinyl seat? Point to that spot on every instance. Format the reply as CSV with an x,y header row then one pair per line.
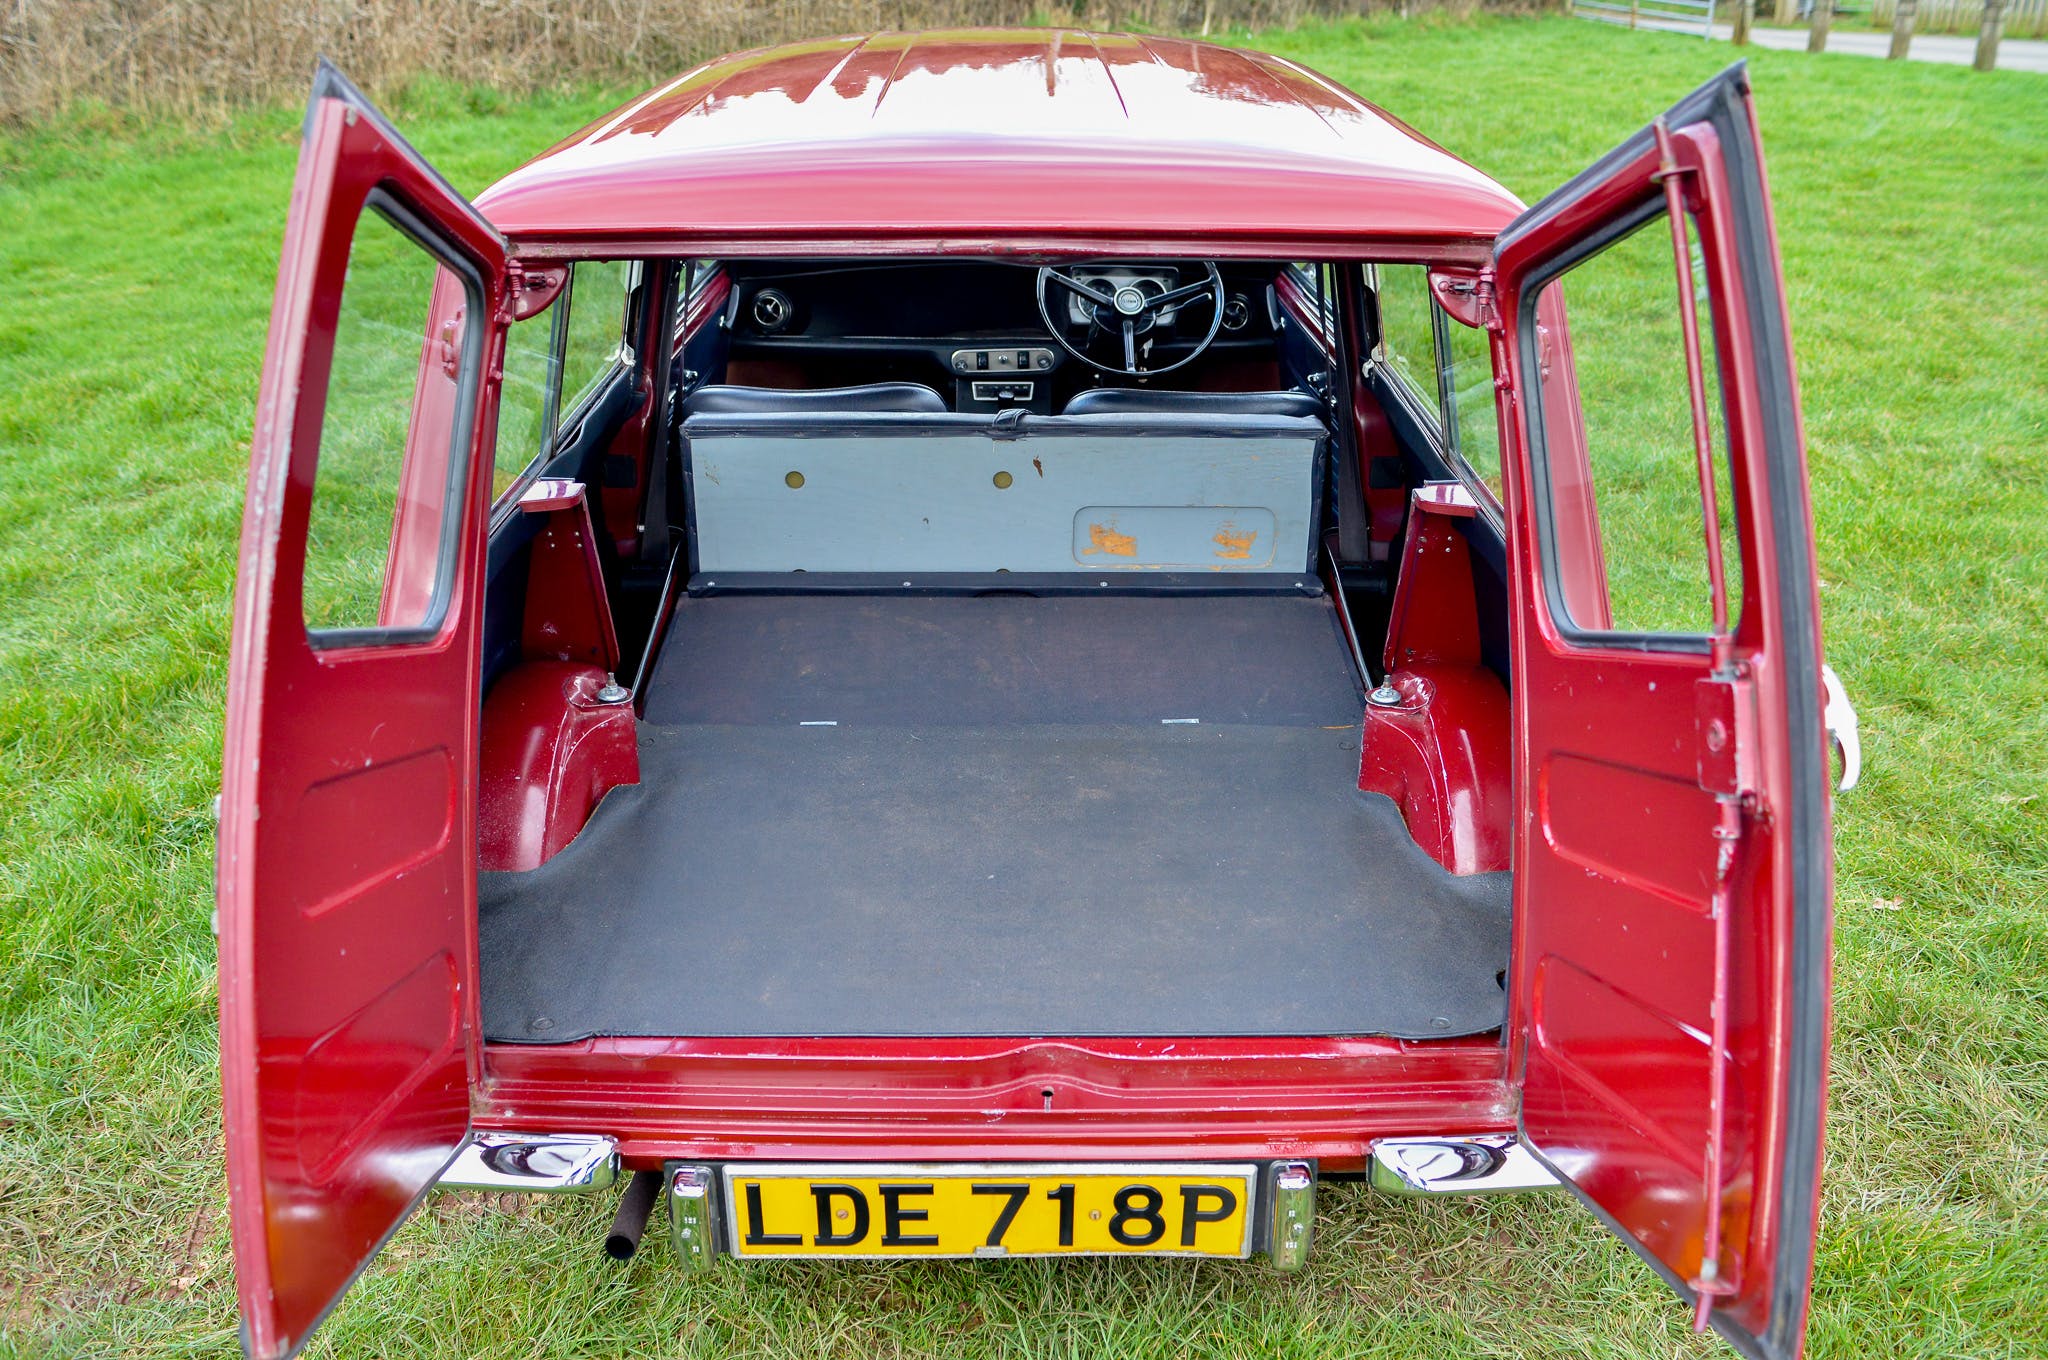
x,y
726,400
1143,401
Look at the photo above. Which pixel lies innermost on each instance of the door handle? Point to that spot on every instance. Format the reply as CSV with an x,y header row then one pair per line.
x,y
1840,716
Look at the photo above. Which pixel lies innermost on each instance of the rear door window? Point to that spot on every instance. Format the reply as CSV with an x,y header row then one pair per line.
x,y
1644,569
379,540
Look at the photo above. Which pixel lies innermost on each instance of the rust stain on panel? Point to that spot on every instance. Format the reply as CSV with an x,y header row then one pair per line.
x,y
1230,543
1103,538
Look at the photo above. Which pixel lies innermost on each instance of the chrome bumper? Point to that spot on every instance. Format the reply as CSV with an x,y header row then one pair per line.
x,y
550,1163
1478,1164
581,1163
693,1215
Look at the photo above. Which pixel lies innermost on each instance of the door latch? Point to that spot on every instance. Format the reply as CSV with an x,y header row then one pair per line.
x,y
1840,717
451,344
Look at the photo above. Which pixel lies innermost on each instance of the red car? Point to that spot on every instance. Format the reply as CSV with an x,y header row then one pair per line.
x,y
1005,643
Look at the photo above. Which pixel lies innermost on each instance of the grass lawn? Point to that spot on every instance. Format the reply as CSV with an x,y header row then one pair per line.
x,y
1910,199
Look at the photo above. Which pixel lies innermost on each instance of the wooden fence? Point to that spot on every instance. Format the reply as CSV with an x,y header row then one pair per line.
x,y
1671,16
2023,18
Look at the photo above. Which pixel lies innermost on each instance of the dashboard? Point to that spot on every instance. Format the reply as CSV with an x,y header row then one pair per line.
x,y
975,331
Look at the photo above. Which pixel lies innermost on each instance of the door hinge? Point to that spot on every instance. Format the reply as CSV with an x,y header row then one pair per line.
x,y
1468,296
529,288
1724,721
1725,727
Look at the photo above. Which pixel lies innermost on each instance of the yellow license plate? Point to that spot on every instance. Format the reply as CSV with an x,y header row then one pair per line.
x,y
1041,1209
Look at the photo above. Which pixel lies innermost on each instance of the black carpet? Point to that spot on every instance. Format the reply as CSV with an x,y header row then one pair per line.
x,y
1001,835
998,659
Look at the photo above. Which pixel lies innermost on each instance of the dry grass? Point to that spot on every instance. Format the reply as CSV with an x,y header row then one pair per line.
x,y
201,58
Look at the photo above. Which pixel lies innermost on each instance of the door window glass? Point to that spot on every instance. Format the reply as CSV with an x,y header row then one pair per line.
x,y
1468,389
1626,513
697,279
1311,280
375,532
595,339
1407,338
526,403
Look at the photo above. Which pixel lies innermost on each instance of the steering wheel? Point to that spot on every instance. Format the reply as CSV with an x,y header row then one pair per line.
x,y
1133,315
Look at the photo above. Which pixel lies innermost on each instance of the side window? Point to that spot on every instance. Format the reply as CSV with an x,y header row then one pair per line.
x,y
527,403
1446,369
1407,336
379,543
1624,510
1311,281
1473,418
594,335
698,278
554,362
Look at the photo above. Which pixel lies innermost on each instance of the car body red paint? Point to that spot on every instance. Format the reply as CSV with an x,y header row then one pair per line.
x,y
350,829
876,143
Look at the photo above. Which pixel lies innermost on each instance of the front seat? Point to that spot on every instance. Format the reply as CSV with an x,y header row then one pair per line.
x,y
723,400
1103,401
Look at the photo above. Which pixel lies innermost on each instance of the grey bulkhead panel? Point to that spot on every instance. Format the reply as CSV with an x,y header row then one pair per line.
x,y
949,494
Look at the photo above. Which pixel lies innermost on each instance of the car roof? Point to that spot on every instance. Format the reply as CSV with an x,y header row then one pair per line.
x,y
1000,139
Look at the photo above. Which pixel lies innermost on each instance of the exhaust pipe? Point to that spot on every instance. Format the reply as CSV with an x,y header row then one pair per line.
x,y
634,1207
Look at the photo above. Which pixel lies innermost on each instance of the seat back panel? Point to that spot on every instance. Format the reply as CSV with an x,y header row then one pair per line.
x,y
961,494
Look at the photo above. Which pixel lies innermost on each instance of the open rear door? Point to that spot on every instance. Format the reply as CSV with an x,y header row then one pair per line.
x,y
1670,979
346,870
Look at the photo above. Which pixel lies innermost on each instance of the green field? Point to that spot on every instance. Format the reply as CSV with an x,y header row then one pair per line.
x,y
140,260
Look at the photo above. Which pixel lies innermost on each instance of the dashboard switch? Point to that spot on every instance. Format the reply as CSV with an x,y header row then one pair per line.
x,y
1002,360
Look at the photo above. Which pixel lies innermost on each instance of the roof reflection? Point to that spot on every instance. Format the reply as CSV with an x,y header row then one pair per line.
x,y
892,101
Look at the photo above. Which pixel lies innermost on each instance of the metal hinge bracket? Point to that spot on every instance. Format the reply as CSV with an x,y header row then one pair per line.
x,y
1468,296
529,288
1724,720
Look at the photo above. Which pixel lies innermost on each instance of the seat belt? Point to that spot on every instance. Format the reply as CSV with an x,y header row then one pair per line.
x,y
1354,517
656,527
